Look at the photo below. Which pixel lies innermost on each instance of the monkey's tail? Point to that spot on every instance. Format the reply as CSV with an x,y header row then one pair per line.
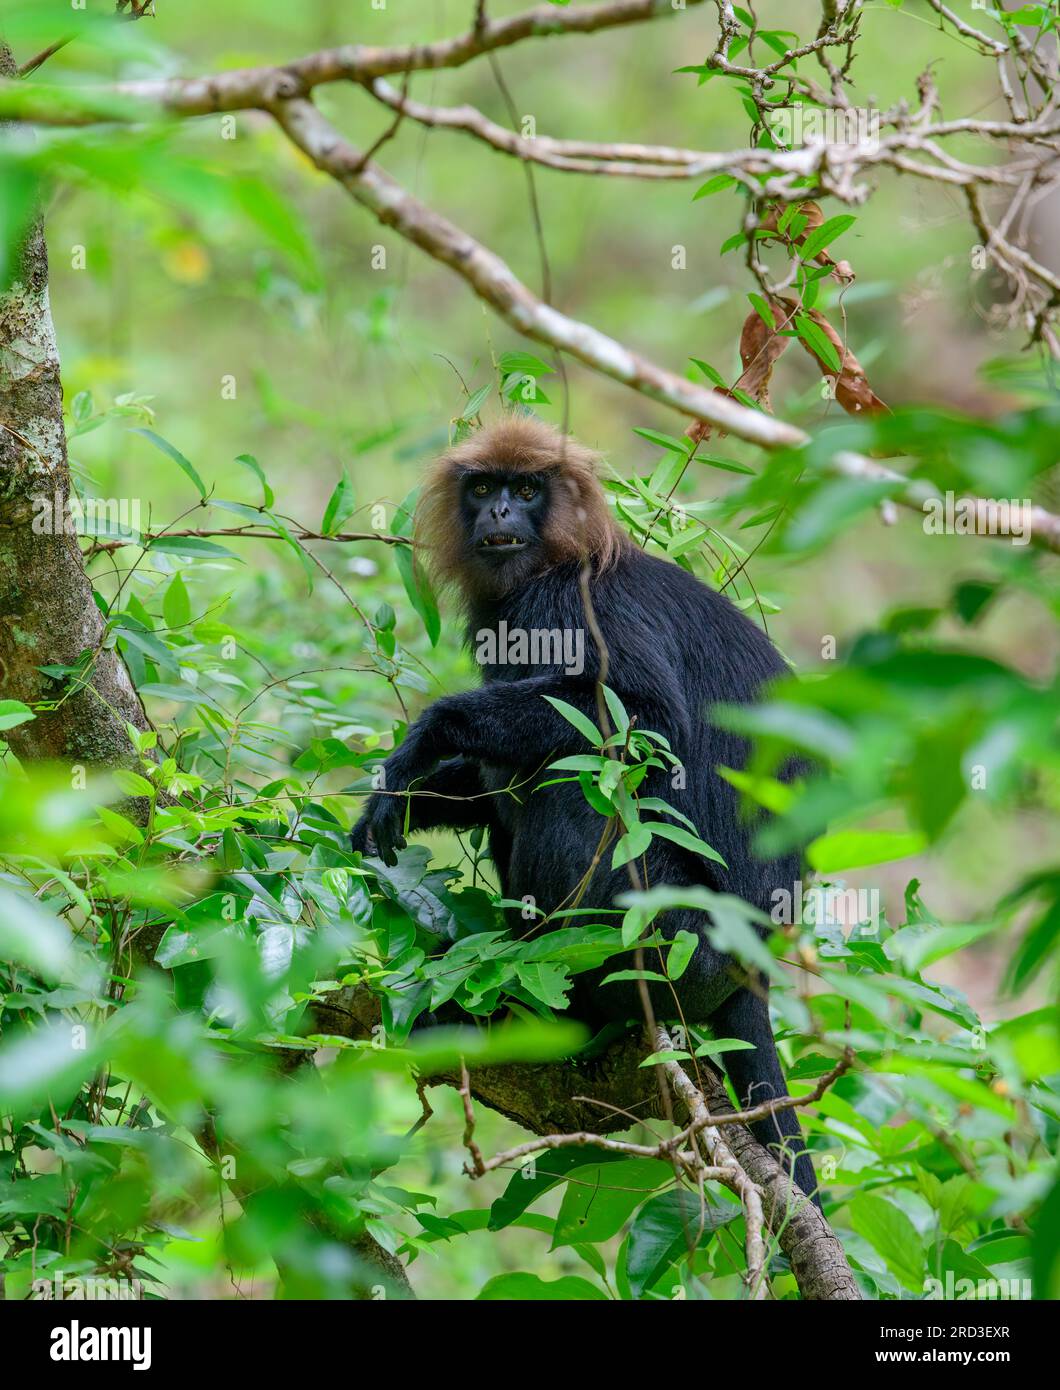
x,y
756,1077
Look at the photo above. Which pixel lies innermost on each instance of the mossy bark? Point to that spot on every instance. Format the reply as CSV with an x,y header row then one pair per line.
x,y
47,613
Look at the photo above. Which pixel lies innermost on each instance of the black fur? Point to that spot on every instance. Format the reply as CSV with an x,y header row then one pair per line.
x,y
674,648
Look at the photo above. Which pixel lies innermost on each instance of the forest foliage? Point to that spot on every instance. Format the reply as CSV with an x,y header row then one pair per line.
x,y
171,928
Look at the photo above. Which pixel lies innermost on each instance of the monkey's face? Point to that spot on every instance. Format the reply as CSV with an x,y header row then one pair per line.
x,y
503,516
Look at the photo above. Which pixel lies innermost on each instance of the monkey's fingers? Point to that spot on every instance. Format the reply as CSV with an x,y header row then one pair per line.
x,y
361,841
388,846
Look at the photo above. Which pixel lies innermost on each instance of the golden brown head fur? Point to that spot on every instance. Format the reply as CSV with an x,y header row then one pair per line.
x,y
578,526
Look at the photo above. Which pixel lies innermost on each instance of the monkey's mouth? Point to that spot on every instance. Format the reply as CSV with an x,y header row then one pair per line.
x,y
501,540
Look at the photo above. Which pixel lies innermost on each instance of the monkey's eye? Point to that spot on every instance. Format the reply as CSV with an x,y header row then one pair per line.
x,y
480,489
526,492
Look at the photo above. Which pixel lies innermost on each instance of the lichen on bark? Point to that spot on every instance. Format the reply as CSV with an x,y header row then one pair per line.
x,y
48,616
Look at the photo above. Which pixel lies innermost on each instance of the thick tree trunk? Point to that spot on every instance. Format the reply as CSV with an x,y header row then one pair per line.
x,y
47,614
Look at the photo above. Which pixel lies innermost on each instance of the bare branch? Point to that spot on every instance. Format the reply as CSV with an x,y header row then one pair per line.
x,y
841,163
249,533
495,282
241,88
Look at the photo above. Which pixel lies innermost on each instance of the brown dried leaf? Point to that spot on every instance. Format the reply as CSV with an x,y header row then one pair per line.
x,y
760,347
852,389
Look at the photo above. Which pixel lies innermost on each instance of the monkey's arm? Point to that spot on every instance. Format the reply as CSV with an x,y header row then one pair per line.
x,y
508,724
453,796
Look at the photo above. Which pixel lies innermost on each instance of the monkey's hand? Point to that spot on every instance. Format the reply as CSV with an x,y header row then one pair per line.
x,y
380,830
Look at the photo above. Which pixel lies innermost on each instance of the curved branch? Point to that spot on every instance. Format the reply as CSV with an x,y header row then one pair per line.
x,y
241,88
610,1092
494,281
840,162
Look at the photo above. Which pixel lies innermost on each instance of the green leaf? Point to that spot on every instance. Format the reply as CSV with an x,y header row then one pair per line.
x,y
715,1047
686,840
537,1177
13,713
762,309
682,949
580,762
522,364
711,373
249,461
1046,1249
45,1065
665,441
122,830
598,1205
476,401
296,545
668,1054
521,1287
32,936
632,845
891,1234
825,234
665,1228
581,722
176,605
618,711
420,591
546,982
858,849
817,340
727,465
714,185
189,545
620,976
340,505
177,457
131,783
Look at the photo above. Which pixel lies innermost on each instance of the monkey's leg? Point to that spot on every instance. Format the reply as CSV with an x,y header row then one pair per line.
x,y
756,1077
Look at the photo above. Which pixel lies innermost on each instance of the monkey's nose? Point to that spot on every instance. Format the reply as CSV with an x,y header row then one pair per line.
x,y
498,513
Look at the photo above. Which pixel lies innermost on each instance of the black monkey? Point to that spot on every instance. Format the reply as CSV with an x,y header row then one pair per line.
x,y
511,516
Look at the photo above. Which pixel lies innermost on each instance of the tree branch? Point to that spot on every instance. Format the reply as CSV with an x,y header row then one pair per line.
x,y
586,1100
241,88
838,164
494,281
248,533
